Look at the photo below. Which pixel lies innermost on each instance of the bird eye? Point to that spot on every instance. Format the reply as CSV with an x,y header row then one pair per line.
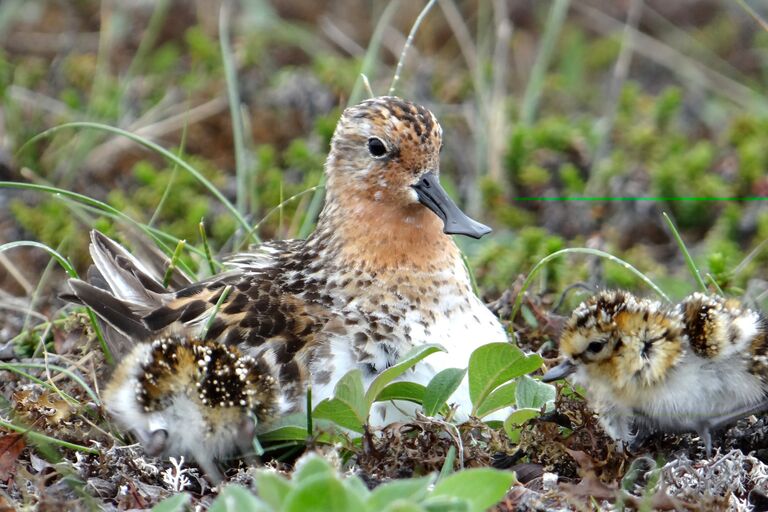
x,y
376,147
595,347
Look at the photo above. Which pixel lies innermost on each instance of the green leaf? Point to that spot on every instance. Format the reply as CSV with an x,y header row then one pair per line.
x,y
481,487
340,413
440,389
410,391
234,498
516,419
311,466
353,484
177,503
322,493
501,397
534,394
446,504
272,487
292,427
494,364
412,357
412,489
348,407
401,506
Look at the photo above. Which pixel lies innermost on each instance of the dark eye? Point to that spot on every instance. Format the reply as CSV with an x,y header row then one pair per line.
x,y
376,147
595,347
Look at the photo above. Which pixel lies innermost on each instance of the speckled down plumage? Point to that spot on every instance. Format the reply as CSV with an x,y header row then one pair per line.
x,y
695,366
377,277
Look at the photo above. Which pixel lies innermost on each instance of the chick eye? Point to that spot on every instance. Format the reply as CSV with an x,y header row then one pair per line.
x,y
595,347
376,147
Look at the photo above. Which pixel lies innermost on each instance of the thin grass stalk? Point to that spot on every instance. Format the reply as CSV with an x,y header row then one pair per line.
x,y
759,19
369,59
280,206
233,95
173,263
154,147
579,250
714,284
408,44
222,298
13,368
38,437
620,72
66,371
535,84
172,180
687,255
70,270
206,247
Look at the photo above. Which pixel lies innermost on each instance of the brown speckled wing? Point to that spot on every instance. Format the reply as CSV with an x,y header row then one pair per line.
x,y
264,310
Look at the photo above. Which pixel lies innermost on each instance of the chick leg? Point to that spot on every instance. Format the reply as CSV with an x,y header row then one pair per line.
x,y
706,427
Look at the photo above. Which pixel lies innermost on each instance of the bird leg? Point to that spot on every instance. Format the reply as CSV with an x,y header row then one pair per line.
x,y
706,426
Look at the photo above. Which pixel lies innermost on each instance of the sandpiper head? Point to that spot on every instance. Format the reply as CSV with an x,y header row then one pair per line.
x,y
615,340
386,151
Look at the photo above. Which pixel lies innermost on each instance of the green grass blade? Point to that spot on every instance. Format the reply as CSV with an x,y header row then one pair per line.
x,y
70,270
280,206
174,260
64,262
154,147
38,437
535,84
215,311
158,236
233,95
14,368
714,284
206,247
69,373
579,250
687,255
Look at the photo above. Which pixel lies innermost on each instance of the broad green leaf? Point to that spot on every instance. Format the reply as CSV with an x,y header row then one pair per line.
x,y
412,357
234,498
322,493
534,394
292,427
501,397
440,389
310,466
353,484
446,504
409,391
516,419
348,407
272,487
401,506
350,390
412,489
339,413
493,364
177,503
481,487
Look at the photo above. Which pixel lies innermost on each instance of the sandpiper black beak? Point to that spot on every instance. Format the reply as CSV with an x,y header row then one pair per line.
x,y
455,222
560,371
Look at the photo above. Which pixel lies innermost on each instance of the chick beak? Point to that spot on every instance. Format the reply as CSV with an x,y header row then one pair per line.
x,y
455,222
560,371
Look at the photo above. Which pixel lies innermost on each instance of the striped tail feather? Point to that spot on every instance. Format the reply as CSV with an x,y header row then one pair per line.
x,y
121,290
